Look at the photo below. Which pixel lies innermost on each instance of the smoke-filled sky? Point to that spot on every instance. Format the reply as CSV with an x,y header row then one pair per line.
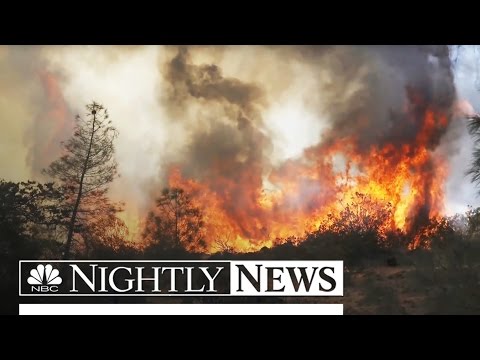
x,y
170,104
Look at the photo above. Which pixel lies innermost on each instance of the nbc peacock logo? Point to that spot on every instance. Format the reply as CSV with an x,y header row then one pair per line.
x,y
44,278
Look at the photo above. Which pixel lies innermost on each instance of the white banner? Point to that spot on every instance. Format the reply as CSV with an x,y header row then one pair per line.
x,y
181,309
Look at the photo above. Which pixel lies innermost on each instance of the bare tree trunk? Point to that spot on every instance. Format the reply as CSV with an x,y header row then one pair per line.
x,y
71,226
176,222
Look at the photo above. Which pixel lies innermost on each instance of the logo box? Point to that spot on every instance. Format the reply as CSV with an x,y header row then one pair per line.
x,y
180,278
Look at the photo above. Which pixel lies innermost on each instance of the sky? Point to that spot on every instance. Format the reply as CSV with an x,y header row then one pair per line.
x,y
43,87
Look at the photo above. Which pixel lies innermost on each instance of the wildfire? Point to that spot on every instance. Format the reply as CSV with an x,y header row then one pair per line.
x,y
298,196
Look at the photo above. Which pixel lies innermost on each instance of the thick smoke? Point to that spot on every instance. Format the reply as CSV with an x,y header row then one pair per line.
x,y
231,128
364,90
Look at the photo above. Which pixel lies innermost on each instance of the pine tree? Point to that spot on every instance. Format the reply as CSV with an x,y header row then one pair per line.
x,y
87,167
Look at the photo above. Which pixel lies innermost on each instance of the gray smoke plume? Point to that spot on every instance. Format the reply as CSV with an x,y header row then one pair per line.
x,y
232,127
367,88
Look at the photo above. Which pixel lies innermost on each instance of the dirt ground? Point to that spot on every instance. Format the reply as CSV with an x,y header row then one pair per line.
x,y
407,290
